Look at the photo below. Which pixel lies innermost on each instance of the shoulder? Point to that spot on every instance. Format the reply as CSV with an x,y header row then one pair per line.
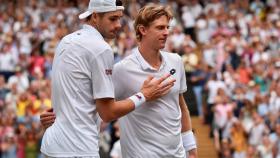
x,y
87,41
126,63
174,57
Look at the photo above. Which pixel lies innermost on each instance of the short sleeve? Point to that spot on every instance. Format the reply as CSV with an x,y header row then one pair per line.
x,y
101,71
183,83
119,80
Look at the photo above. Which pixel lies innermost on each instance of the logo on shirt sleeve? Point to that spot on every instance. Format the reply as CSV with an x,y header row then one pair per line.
x,y
108,71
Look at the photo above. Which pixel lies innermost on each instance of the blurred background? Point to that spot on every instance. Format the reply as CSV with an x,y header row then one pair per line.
x,y
231,52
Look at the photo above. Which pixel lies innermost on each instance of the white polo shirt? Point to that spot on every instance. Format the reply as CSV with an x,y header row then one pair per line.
x,y
153,130
82,72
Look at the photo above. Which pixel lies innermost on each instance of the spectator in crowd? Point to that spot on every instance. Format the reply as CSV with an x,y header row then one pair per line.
x,y
275,140
20,78
265,148
198,80
238,140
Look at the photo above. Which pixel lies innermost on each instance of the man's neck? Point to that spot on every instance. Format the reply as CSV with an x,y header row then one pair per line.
x,y
151,55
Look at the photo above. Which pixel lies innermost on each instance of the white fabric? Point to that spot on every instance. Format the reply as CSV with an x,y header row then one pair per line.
x,y
189,141
209,56
196,10
25,42
188,19
239,154
221,114
177,39
100,6
256,133
138,99
81,72
203,32
213,87
226,134
274,102
7,61
45,156
21,81
213,6
154,129
116,151
265,151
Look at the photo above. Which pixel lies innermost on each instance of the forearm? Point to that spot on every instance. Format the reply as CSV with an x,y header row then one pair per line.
x,y
185,120
188,138
110,110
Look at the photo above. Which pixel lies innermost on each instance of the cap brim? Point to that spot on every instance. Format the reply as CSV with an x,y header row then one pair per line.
x,y
100,10
85,14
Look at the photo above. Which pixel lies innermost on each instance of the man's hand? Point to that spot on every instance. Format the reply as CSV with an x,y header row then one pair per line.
x,y
47,118
153,89
193,153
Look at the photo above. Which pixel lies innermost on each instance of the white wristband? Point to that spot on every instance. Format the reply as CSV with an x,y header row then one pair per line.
x,y
189,142
138,99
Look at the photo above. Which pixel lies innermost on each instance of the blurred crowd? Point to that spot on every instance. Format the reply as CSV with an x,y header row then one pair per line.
x,y
230,48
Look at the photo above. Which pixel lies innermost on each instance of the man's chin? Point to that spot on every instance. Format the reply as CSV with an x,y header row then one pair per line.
x,y
110,36
162,46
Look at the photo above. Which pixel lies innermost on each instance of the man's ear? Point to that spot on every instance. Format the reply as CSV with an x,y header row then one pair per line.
x,y
93,18
142,30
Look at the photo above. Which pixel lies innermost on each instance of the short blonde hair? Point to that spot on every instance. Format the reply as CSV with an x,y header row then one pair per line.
x,y
148,14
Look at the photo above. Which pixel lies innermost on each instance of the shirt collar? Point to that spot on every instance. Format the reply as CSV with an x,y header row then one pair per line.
x,y
145,65
92,29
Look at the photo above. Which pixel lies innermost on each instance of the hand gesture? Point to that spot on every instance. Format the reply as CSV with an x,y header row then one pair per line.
x,y
47,118
155,88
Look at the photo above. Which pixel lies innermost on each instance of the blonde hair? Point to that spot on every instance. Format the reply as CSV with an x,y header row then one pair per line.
x,y
148,14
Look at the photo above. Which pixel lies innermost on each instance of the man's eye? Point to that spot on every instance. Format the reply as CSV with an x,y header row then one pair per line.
x,y
113,19
161,27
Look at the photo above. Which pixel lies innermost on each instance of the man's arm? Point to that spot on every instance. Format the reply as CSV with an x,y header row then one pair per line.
x,y
109,109
187,135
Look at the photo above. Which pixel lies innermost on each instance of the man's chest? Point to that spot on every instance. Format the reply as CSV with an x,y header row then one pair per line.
x,y
135,78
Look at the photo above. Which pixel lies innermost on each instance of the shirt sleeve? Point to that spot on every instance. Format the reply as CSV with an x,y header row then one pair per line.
x,y
101,71
118,79
183,83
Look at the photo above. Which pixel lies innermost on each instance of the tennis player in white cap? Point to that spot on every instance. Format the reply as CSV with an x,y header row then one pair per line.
x,y
82,87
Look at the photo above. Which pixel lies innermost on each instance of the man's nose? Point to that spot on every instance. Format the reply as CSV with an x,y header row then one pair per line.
x,y
118,24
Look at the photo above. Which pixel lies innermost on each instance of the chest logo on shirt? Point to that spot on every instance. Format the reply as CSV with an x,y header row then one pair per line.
x,y
172,71
108,71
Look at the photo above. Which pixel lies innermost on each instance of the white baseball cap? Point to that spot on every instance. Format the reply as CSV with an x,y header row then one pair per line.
x,y
101,6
